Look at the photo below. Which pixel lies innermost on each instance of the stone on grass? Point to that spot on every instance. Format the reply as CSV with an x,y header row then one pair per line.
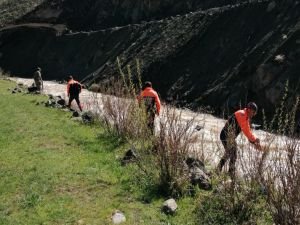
x,y
130,156
61,102
32,89
191,162
200,178
76,114
88,117
118,217
198,173
169,206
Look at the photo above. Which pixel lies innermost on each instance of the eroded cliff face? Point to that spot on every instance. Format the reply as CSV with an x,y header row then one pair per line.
x,y
220,57
101,14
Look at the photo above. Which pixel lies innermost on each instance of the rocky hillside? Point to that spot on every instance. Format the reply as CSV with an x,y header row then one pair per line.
x,y
218,57
100,14
11,10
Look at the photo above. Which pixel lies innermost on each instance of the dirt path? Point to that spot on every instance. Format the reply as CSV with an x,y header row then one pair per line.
x,y
208,147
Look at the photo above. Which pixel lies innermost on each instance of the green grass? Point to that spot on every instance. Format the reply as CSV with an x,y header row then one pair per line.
x,y
56,171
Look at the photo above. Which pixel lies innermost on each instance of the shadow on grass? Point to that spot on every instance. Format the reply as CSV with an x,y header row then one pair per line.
x,y
102,143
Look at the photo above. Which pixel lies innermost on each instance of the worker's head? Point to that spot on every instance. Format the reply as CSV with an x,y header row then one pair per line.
x,y
69,78
252,109
147,84
38,68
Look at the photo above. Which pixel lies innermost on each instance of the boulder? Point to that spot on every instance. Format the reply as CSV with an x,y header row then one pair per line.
x,y
191,162
130,156
118,217
169,206
198,173
200,178
199,127
76,114
32,89
88,117
61,102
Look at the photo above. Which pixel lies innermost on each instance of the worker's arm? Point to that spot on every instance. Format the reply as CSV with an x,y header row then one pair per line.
x,y
243,122
80,87
68,89
157,102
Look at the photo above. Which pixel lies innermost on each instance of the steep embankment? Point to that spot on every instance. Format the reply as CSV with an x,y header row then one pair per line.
x,y
11,10
219,57
101,14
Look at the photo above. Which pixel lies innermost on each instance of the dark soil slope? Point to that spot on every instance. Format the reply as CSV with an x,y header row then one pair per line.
x,y
100,14
219,57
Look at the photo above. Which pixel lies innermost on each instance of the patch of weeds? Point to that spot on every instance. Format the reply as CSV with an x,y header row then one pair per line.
x,y
30,199
227,208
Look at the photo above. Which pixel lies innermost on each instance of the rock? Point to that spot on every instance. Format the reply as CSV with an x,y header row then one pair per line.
x,y
32,89
198,173
200,178
199,127
88,117
284,36
271,6
76,114
80,222
169,206
192,162
95,88
61,102
279,58
48,103
118,217
130,156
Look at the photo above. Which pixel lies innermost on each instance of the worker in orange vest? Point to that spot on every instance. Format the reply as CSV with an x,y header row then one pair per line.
x,y
152,103
239,121
73,90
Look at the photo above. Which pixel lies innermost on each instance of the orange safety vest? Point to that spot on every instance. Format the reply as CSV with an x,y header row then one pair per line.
x,y
149,95
238,122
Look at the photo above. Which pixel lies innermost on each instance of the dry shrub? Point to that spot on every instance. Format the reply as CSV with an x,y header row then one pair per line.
x,y
280,166
276,170
118,107
121,112
173,142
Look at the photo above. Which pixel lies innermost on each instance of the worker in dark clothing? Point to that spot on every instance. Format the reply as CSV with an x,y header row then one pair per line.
x,y
38,81
73,91
152,103
239,121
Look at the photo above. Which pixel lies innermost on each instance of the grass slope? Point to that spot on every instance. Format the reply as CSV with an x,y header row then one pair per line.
x,y
56,171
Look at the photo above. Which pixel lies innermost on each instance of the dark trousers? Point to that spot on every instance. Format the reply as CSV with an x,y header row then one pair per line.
x,y
230,147
76,97
150,122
